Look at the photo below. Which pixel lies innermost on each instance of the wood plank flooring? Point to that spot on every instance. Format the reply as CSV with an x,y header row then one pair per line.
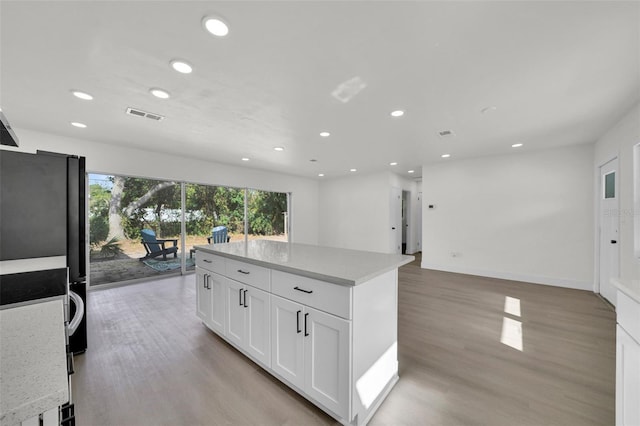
x,y
151,361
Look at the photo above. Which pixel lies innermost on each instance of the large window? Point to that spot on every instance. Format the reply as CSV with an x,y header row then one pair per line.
x,y
135,224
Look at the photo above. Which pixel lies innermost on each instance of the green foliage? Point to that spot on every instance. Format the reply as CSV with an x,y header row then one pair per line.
x,y
111,248
206,207
98,229
266,212
151,213
98,213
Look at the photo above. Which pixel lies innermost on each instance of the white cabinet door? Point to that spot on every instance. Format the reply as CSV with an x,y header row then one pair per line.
x,y
203,296
258,331
287,350
627,379
235,321
326,358
217,299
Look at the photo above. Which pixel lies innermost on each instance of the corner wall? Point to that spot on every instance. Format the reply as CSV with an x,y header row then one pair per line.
x,y
526,216
355,211
108,159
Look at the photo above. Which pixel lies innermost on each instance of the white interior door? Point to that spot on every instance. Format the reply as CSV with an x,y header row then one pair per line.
x,y
395,205
609,226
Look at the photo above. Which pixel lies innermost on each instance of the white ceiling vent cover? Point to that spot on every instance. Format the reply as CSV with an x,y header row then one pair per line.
x,y
445,133
140,113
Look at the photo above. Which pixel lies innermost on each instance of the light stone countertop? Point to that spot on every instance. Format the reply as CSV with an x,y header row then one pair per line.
x,y
334,265
33,361
630,288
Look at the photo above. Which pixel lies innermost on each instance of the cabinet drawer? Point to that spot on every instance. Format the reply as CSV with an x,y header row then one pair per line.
x,y
332,298
210,261
248,273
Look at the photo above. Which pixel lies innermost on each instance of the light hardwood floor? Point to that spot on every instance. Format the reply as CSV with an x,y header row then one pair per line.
x,y
151,361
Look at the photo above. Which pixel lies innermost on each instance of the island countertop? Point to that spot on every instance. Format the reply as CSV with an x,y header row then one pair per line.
x,y
334,265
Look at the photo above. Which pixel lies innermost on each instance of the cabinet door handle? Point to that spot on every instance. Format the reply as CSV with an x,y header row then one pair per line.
x,y
245,299
240,296
303,290
298,322
243,272
207,260
305,324
206,281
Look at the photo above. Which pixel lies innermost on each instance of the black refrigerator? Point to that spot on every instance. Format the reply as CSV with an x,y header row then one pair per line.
x,y
42,231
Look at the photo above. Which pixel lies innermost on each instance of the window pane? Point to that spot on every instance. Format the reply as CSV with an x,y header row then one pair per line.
x,y
267,213
214,214
120,208
610,185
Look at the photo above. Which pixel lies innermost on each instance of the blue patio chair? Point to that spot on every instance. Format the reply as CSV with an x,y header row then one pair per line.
x,y
219,235
156,247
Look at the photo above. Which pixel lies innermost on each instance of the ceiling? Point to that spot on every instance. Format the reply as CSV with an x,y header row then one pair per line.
x,y
545,73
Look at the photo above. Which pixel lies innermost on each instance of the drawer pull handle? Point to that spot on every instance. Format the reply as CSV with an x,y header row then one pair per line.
x,y
298,322
207,261
245,299
305,324
303,290
243,272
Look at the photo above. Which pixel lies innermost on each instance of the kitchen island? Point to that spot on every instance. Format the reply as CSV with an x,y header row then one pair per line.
x,y
322,320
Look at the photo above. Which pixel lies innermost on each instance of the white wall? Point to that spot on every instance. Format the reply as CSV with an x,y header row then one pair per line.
x,y
102,158
525,216
619,142
355,211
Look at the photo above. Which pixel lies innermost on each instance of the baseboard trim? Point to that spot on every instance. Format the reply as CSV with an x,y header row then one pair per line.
x,y
535,279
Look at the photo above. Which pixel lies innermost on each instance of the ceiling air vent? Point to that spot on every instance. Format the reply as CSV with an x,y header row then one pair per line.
x,y
445,133
140,113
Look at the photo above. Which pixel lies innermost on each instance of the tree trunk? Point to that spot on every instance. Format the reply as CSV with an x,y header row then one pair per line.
x,y
146,197
115,204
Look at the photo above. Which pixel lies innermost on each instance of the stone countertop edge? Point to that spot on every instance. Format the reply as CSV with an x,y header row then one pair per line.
x,y
310,274
34,363
624,287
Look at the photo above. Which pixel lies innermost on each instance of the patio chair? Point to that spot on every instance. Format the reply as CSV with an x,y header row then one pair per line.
x,y
156,247
219,235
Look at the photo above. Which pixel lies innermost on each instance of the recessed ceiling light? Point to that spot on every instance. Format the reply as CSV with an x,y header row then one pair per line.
x,y
159,93
321,174
516,145
393,164
410,171
215,26
181,66
245,159
445,155
397,113
353,170
279,148
82,95
325,134
79,125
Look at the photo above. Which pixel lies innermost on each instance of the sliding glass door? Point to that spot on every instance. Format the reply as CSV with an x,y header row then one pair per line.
x,y
136,224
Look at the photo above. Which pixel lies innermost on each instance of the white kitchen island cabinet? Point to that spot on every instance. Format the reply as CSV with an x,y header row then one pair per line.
x,y
627,355
322,320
